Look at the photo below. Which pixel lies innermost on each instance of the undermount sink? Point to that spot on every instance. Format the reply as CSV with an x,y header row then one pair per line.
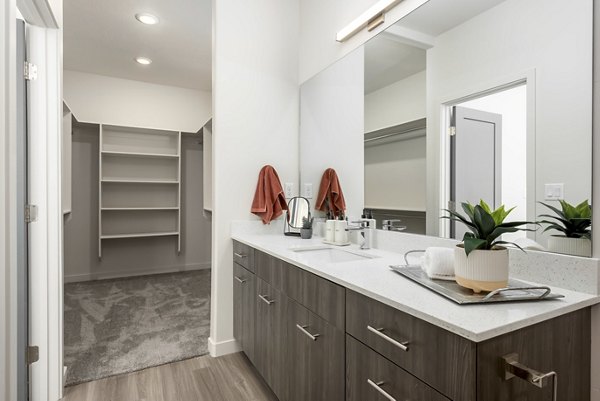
x,y
327,254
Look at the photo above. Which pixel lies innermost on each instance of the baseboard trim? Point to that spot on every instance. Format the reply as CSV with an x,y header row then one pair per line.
x,y
223,347
74,278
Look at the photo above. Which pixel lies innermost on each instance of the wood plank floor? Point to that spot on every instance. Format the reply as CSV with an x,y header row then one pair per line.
x,y
227,378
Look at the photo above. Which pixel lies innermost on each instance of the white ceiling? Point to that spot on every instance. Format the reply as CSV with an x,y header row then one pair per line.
x,y
103,37
388,61
437,16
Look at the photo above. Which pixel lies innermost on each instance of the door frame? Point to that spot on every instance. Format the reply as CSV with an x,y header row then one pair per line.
x,y
476,91
44,190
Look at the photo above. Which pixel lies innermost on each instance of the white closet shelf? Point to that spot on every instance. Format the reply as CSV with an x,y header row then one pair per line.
x,y
140,235
139,154
138,181
140,208
139,170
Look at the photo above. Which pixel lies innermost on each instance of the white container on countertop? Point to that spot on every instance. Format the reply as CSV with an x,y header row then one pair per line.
x,y
330,231
341,235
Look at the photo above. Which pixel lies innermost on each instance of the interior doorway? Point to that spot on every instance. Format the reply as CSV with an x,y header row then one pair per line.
x,y
489,148
137,232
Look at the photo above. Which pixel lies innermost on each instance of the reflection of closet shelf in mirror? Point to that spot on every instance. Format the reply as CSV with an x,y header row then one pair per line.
x,y
140,235
140,184
134,181
138,154
138,208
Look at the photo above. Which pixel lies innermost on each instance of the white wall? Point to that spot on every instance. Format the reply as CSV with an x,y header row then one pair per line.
x,y
395,175
100,99
398,103
512,105
129,257
255,109
332,129
321,20
506,41
395,172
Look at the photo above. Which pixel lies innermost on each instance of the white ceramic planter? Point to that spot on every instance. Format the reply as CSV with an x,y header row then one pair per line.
x,y
570,246
482,270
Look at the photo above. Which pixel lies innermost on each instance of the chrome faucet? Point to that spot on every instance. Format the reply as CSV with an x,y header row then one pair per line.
x,y
365,227
390,225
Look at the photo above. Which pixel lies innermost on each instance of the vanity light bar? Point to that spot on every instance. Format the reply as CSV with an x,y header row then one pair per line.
x,y
372,18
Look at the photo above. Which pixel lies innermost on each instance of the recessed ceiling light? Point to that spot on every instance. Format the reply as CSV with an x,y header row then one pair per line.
x,y
147,19
143,60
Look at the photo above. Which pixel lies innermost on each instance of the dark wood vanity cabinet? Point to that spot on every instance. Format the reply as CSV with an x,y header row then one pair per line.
x,y
315,356
312,339
271,337
244,306
562,345
442,359
370,376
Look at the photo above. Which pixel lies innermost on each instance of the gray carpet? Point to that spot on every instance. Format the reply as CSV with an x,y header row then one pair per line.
x,y
123,325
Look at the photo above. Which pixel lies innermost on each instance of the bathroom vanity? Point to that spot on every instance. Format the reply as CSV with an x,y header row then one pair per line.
x,y
358,331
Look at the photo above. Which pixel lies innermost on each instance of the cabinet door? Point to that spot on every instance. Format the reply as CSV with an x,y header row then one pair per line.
x,y
244,289
561,345
371,377
270,342
315,357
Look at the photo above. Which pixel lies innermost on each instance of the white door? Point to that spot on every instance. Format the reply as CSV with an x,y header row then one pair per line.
x,y
22,231
476,155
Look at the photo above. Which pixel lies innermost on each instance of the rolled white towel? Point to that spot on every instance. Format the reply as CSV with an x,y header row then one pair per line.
x,y
438,263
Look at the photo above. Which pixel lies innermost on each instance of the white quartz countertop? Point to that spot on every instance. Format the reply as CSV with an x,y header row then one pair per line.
x,y
373,278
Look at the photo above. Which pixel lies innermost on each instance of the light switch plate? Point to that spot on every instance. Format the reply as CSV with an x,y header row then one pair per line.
x,y
554,191
289,190
308,191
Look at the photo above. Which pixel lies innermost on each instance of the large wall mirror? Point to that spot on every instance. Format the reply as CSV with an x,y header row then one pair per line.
x,y
460,100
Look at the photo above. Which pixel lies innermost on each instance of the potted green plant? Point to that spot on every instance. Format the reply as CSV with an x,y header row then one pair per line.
x,y
574,225
306,231
481,260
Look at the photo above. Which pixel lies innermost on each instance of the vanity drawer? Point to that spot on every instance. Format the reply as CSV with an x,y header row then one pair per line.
x,y
243,255
317,294
270,269
371,377
442,359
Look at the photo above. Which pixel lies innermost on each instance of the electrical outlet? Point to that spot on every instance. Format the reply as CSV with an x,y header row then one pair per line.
x,y
308,191
554,191
289,190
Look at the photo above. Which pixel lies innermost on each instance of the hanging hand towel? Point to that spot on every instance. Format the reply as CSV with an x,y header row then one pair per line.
x,y
330,190
269,200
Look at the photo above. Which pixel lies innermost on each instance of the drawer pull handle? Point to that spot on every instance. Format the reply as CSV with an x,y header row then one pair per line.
x,y
402,345
514,368
377,386
241,281
240,255
266,300
311,336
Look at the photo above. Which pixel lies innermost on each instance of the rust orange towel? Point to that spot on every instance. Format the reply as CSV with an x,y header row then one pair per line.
x,y
269,199
331,196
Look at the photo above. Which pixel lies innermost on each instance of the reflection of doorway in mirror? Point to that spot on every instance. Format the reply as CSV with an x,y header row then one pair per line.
x,y
489,153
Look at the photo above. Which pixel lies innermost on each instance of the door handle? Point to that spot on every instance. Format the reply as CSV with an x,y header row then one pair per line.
x,y
402,345
240,255
266,300
241,281
308,334
377,386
